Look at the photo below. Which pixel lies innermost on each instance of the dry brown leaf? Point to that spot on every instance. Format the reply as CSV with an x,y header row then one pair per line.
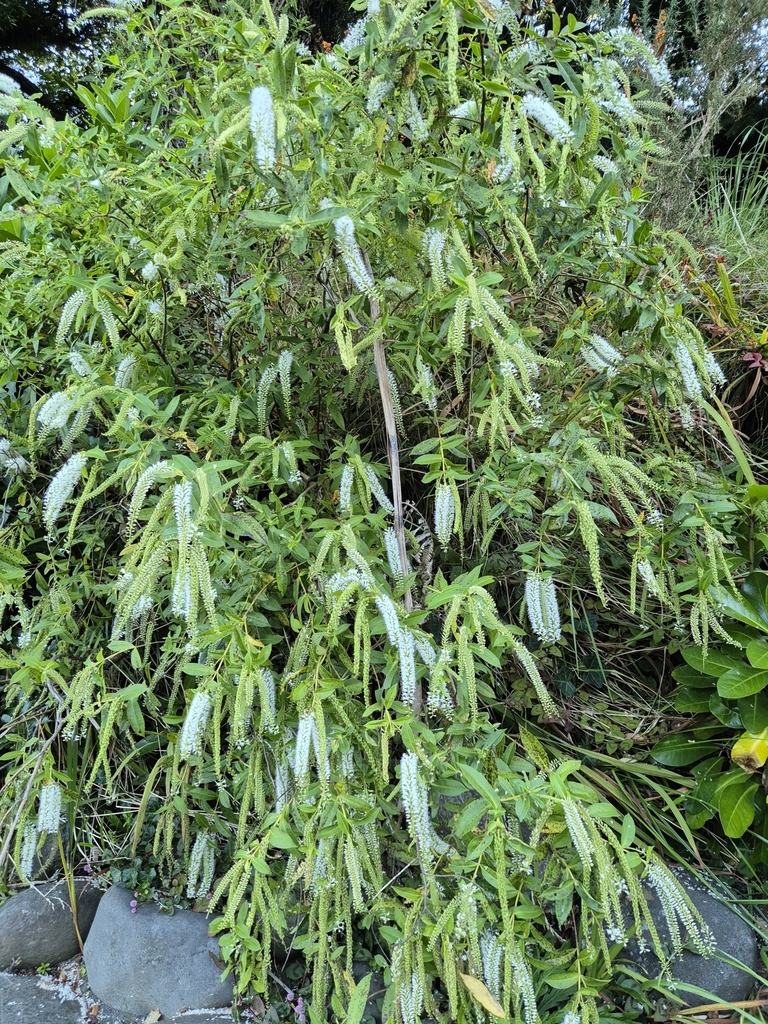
x,y
152,1017
478,990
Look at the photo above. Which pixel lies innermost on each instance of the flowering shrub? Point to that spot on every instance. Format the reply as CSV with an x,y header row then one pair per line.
x,y
272,320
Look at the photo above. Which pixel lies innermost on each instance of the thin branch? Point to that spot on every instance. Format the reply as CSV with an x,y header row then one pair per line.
x,y
390,426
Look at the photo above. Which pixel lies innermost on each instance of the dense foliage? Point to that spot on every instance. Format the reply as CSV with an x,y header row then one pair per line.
x,y
326,376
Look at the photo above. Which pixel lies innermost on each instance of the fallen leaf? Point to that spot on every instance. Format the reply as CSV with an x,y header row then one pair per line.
x,y
152,1017
482,995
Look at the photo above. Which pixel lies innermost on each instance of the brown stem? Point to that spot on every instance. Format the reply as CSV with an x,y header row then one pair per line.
x,y
393,452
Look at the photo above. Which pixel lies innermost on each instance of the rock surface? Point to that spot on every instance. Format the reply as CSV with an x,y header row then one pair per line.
x,y
26,999
150,960
23,1001
36,924
734,939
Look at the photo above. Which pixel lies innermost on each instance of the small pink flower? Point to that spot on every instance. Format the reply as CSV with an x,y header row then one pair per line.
x,y
134,905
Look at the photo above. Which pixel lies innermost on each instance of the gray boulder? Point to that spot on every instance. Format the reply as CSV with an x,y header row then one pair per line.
x,y
25,999
36,924
734,940
150,960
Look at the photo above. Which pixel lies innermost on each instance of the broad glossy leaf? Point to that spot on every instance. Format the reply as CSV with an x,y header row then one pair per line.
x,y
753,592
688,676
692,701
736,804
754,712
479,992
742,682
757,653
715,664
739,609
681,749
724,713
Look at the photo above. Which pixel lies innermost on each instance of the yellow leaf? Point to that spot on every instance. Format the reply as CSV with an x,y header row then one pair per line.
x,y
253,641
750,752
152,1017
478,990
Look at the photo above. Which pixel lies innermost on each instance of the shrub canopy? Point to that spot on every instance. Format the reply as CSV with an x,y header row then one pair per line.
x,y
325,375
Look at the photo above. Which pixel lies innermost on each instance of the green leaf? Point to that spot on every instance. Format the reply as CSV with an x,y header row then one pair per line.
x,y
725,713
692,701
602,810
265,219
194,668
627,831
742,682
681,749
742,608
561,979
281,840
479,782
688,676
358,999
735,799
470,816
757,653
715,664
754,712
757,493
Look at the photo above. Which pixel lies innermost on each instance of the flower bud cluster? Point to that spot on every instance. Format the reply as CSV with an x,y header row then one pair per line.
x,y
426,386
80,364
648,576
412,1000
195,724
714,370
688,372
28,850
49,811
124,372
401,638
378,91
377,490
445,513
414,117
577,830
61,487
543,612
355,35
601,355
491,951
416,803
263,127
544,114
392,547
55,412
202,861
68,313
675,904
308,742
604,164
345,489
352,257
433,245
10,459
